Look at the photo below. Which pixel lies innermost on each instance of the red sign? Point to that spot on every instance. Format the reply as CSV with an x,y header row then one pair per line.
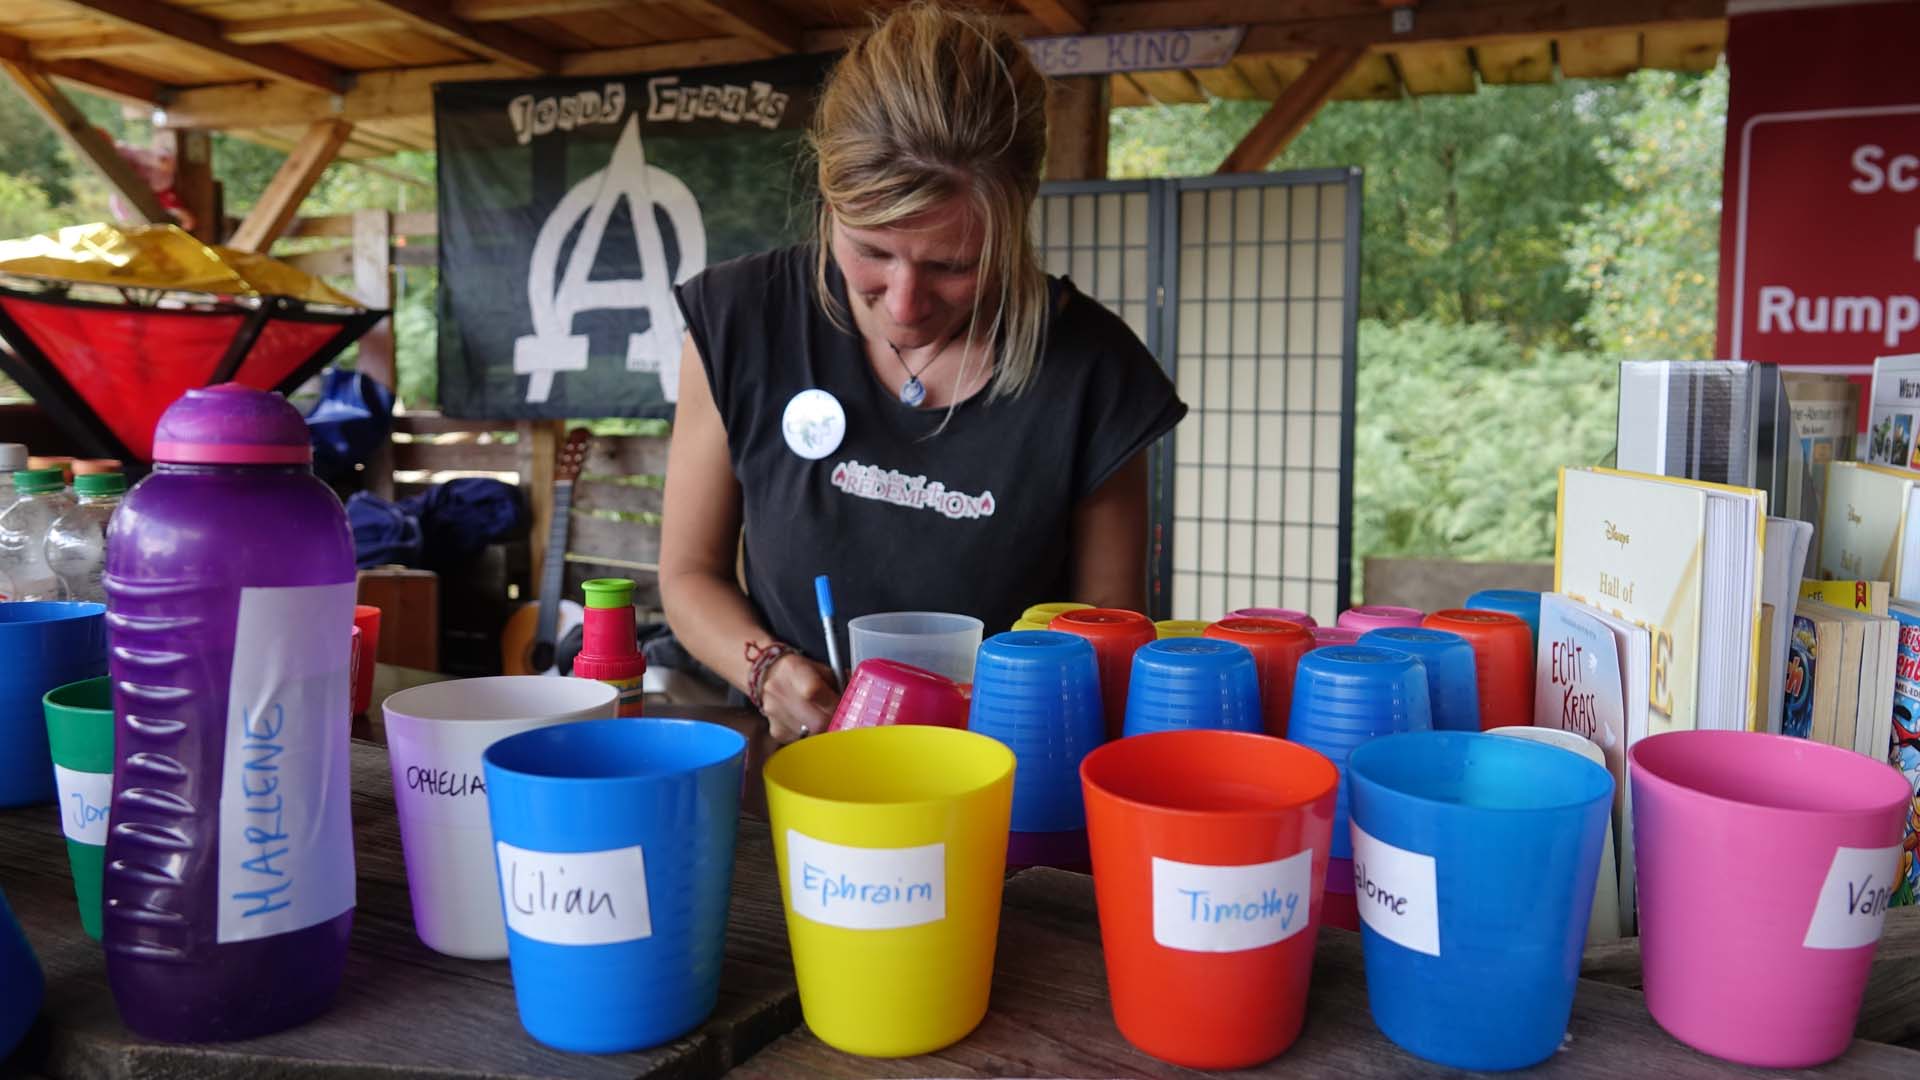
x,y
1820,231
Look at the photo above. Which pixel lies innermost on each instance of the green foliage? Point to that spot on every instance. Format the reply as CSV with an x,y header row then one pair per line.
x,y
1461,435
24,209
1648,257
30,150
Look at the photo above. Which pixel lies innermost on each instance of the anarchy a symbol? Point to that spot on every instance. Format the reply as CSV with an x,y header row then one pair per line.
x,y
553,346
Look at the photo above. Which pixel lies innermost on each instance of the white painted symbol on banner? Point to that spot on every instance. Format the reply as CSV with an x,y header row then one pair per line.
x,y
553,346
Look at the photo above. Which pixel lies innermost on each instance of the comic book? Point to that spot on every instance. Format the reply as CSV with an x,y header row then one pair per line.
x,y
1903,748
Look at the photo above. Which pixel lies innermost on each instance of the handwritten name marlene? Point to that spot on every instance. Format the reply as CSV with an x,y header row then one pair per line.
x,y
264,807
830,888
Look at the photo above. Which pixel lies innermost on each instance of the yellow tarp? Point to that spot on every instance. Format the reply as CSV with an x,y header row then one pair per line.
x,y
159,257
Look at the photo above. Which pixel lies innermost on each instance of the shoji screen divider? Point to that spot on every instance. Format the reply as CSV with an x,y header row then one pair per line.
x,y
1246,289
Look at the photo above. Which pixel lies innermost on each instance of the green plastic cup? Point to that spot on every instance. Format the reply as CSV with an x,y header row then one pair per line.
x,y
80,730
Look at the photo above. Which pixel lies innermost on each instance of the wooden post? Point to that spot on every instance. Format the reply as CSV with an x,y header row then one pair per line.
x,y
373,286
193,179
1296,105
539,451
278,204
88,144
1077,129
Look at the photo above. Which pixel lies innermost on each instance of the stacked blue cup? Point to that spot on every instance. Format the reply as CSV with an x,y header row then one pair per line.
x,y
1193,683
21,983
43,644
613,841
1522,602
1452,690
1344,695
1038,692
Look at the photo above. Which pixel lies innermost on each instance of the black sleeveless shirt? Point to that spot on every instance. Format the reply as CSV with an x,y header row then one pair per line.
x,y
975,518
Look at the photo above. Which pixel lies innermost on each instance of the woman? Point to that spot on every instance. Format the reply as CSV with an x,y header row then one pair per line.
x,y
907,404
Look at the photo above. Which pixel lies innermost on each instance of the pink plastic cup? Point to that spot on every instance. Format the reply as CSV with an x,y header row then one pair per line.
x,y
884,692
1286,613
1765,865
1379,617
1324,636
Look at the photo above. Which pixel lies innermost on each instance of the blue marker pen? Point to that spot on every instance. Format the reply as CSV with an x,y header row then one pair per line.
x,y
824,595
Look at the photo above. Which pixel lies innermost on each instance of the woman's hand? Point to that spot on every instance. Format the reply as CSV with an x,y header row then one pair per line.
x,y
798,698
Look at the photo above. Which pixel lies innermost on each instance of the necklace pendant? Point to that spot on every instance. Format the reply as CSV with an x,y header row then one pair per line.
x,y
913,392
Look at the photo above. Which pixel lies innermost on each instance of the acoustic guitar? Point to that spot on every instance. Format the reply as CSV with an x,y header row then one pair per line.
x,y
527,640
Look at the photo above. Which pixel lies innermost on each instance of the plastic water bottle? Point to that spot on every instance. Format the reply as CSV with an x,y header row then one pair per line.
x,y
229,884
42,497
77,542
13,458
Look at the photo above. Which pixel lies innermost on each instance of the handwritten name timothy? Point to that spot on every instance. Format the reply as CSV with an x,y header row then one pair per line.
x,y
265,807
1270,904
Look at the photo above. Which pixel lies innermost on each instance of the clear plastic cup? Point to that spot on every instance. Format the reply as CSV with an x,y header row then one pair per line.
x,y
938,641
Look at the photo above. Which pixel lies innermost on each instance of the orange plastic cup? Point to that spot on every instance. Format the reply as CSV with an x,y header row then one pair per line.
x,y
366,618
1277,646
1116,635
1209,859
1502,662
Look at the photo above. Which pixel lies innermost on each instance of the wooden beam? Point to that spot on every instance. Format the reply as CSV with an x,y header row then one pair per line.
x,y
500,43
86,141
311,24
1291,112
502,10
113,82
373,286
297,175
1061,16
756,21
1436,69
1510,61
193,181
1468,21
89,46
1598,54
1077,129
180,26
1694,46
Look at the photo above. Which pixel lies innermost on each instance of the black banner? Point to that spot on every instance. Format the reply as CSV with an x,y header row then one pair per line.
x,y
555,285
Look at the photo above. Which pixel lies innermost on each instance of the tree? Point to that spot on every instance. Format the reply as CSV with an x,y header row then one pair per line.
x,y
1648,257
30,150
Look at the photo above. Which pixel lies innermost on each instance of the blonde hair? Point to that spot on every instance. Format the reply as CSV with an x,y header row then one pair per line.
x,y
932,104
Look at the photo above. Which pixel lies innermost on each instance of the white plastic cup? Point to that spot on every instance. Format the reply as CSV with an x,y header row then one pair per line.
x,y
942,643
1603,924
435,736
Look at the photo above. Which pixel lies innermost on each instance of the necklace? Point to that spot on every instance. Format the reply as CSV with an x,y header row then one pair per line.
x,y
913,391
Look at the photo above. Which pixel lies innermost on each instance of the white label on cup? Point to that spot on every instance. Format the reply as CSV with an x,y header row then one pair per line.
x,y
84,800
286,836
866,888
1203,908
1396,893
439,785
575,897
1853,902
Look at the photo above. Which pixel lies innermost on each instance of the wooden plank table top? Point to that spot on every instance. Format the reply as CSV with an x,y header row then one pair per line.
x,y
1049,1016
402,1008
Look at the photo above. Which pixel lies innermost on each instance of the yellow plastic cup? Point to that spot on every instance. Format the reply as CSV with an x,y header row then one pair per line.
x,y
1169,628
891,844
1040,616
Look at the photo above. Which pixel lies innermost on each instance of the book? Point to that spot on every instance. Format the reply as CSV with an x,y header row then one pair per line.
x,y
1903,743
1869,596
1826,420
1684,559
1862,533
1591,679
1784,562
1722,421
1811,686
1893,411
1876,698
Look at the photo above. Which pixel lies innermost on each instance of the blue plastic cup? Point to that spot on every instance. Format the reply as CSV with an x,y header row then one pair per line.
x,y
1474,860
1345,695
614,846
1522,602
1452,690
1182,683
21,984
43,644
1038,692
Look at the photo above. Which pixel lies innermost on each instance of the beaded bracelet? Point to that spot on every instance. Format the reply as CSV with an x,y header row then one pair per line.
x,y
762,657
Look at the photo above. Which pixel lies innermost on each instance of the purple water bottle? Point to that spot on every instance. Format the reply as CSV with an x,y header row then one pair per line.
x,y
229,864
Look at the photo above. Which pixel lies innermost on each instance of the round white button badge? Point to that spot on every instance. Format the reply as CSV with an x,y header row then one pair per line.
x,y
814,423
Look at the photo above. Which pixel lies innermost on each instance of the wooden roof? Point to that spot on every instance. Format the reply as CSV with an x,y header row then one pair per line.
x,y
265,69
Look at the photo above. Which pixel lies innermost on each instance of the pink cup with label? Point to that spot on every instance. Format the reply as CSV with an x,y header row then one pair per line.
x,y
1765,864
884,692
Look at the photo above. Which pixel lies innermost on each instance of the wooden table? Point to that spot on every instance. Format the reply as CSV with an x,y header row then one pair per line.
x,y
1049,1017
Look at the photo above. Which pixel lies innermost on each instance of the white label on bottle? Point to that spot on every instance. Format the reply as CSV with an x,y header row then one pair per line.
x,y
575,897
866,888
1203,908
85,798
1395,889
1852,907
286,834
